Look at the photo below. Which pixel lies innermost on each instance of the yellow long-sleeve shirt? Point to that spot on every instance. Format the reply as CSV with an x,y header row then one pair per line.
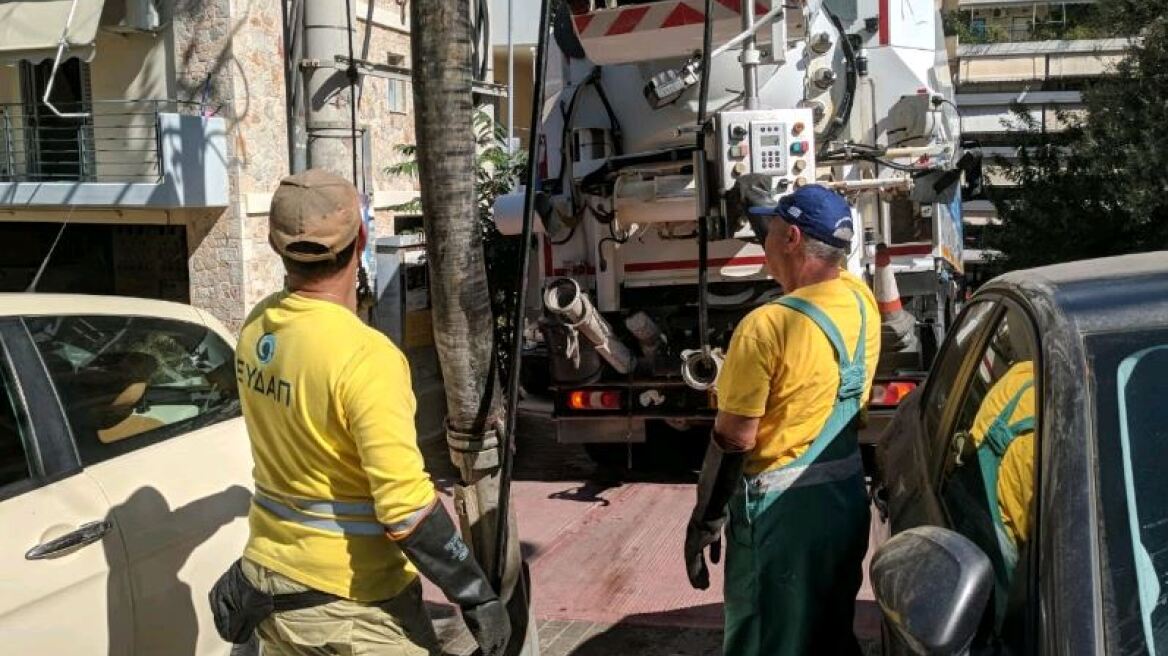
x,y
330,413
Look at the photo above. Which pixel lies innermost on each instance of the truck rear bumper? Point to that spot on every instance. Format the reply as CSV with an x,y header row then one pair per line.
x,y
593,430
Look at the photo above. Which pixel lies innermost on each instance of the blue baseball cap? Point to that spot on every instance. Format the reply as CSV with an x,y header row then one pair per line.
x,y
819,212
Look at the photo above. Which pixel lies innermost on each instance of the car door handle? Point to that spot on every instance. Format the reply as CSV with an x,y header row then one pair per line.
x,y
86,534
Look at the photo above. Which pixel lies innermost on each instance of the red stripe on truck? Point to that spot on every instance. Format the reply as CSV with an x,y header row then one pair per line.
x,y
751,260
627,21
582,22
683,14
884,31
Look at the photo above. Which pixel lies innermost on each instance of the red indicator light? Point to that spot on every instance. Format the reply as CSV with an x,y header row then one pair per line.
x,y
891,392
578,400
594,400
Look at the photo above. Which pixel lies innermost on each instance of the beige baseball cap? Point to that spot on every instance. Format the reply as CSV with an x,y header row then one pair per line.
x,y
314,215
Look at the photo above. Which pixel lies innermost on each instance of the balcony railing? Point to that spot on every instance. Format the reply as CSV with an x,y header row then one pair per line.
x,y
119,141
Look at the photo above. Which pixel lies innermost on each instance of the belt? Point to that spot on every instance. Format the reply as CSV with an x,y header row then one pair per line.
x,y
786,478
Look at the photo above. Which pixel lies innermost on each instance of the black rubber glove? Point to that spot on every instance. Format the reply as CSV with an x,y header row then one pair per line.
x,y
490,626
720,478
439,553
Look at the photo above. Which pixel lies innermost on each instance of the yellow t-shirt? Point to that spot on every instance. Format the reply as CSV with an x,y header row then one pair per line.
x,y
330,412
1016,473
782,369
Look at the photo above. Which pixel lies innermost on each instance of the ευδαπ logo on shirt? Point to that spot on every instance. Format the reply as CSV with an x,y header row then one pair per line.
x,y
266,348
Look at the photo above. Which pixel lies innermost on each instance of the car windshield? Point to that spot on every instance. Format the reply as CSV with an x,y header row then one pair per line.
x,y
1131,371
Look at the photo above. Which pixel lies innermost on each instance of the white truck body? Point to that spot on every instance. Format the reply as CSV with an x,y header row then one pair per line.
x,y
853,94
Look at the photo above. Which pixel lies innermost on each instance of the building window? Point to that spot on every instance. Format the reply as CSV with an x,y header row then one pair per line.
x,y
55,148
397,98
977,27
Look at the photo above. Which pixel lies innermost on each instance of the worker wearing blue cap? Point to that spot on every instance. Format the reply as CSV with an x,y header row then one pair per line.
x,y
784,457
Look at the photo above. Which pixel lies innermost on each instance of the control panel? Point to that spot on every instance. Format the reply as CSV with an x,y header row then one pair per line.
x,y
774,142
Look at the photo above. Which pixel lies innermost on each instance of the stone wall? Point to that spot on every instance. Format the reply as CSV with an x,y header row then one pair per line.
x,y
229,52
204,66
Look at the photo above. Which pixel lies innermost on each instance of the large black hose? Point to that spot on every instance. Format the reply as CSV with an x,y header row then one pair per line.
x,y
507,439
844,113
703,224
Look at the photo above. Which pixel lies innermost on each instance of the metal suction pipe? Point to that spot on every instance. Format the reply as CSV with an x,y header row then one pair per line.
x,y
565,299
700,371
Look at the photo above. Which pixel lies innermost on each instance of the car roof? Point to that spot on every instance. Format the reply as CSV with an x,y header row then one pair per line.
x,y
1123,292
35,304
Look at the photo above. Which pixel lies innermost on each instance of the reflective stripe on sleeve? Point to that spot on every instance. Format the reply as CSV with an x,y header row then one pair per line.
x,y
400,530
332,525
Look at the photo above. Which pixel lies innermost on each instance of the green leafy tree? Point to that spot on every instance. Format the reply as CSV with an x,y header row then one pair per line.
x,y
1100,187
497,170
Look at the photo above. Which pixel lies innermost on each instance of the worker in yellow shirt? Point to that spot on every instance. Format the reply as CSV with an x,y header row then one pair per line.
x,y
784,454
344,514
1003,432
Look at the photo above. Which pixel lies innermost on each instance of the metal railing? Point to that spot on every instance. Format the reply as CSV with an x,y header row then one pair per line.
x,y
118,141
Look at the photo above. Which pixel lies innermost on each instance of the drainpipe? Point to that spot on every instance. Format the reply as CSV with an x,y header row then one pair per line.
x,y
326,119
510,74
294,84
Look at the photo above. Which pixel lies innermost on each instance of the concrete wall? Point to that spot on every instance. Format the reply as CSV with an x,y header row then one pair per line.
x,y
127,67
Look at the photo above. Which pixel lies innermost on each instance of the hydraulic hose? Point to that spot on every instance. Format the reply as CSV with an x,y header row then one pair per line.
x,y
507,440
844,113
700,154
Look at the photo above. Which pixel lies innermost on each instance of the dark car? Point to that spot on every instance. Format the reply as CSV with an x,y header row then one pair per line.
x,y
1027,480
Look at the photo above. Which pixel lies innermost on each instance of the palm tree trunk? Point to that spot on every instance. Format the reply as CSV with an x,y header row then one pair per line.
x,y
460,298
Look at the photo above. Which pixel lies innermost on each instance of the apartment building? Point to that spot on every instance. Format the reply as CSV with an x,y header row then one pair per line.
x,y
1021,54
156,130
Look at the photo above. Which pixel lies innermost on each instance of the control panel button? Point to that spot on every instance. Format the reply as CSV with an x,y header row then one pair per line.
x,y
798,147
799,165
740,168
797,129
739,151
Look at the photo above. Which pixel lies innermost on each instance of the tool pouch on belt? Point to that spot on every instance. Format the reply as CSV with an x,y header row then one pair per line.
x,y
238,606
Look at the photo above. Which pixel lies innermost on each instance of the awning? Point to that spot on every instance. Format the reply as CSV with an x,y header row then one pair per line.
x,y
31,29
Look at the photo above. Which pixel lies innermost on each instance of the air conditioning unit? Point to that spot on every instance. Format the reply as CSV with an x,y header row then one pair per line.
x,y
132,16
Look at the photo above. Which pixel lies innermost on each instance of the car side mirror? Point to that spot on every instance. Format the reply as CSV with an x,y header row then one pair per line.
x,y
932,586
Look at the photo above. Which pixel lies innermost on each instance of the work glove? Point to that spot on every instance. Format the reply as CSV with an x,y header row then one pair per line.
x,y
720,479
490,626
698,536
439,553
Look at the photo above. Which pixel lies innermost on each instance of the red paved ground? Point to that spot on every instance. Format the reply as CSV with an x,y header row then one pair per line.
x,y
613,554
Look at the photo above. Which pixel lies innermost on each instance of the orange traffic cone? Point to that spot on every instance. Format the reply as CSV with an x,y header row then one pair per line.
x,y
899,327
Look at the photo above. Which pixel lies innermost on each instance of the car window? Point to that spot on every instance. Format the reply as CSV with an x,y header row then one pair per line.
x,y
987,482
126,382
13,433
1131,375
948,364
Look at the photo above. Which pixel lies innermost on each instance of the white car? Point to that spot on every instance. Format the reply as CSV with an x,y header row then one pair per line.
x,y
124,475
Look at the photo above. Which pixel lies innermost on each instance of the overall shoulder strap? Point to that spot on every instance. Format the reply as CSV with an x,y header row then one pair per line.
x,y
1001,432
819,318
853,370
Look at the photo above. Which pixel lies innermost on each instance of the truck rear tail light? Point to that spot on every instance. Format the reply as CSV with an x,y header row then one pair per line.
x,y
594,400
891,392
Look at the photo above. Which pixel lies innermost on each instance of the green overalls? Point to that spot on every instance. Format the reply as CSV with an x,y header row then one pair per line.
x,y
797,535
990,452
